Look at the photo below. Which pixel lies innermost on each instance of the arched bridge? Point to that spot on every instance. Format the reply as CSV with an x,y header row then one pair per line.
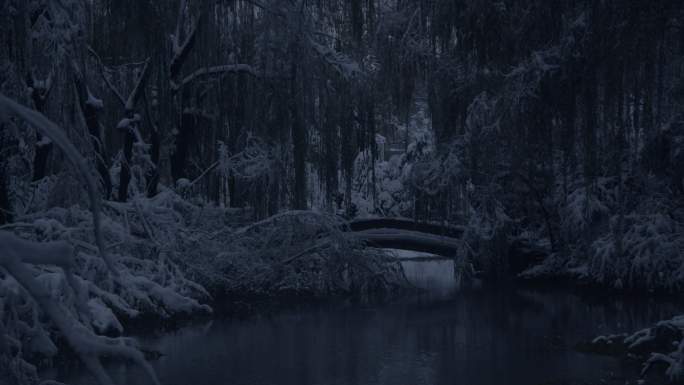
x,y
406,234
434,238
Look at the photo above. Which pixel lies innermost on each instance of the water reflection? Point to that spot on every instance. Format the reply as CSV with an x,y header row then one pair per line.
x,y
437,276
487,336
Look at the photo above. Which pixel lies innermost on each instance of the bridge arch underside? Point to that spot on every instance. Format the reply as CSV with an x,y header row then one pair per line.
x,y
406,224
420,243
436,239
411,240
407,234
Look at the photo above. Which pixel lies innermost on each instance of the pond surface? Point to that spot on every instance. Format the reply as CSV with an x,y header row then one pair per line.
x,y
503,335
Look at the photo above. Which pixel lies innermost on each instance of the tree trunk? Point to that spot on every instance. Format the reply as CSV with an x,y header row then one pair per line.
x,y
183,139
590,128
90,115
125,173
5,203
40,159
153,175
298,147
43,146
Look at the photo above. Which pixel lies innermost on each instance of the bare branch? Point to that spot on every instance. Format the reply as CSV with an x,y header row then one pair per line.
x,y
179,23
203,72
127,103
139,86
17,253
105,78
205,172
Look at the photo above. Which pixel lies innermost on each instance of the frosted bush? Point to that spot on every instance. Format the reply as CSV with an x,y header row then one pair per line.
x,y
585,207
297,252
59,279
652,247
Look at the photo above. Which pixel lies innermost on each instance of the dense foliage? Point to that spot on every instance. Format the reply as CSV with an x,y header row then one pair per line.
x,y
555,123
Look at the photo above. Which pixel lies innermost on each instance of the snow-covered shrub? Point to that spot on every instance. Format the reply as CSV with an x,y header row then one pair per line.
x,y
296,252
150,283
393,197
643,250
394,178
139,166
488,229
67,274
587,207
584,217
661,343
257,160
628,236
16,349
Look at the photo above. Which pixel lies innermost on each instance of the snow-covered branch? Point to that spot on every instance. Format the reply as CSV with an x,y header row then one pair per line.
x,y
346,66
16,253
257,160
49,129
58,253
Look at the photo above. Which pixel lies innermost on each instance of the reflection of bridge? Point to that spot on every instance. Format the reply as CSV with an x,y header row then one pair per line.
x,y
433,238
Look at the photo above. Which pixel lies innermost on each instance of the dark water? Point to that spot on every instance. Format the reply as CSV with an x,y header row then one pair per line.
x,y
485,336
